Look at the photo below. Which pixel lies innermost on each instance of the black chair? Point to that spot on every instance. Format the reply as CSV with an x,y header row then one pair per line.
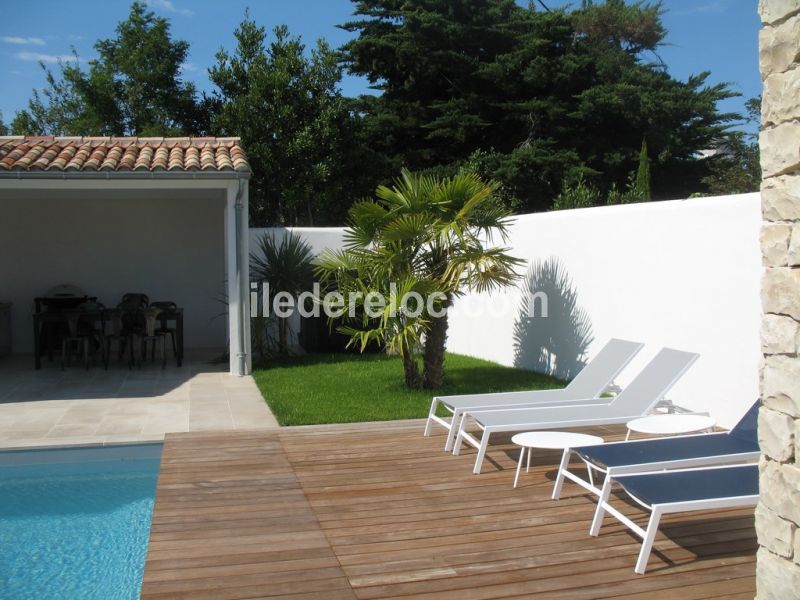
x,y
114,331
163,329
134,298
83,333
75,338
134,323
150,335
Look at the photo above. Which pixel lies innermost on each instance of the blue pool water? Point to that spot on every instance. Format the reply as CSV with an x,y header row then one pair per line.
x,y
74,523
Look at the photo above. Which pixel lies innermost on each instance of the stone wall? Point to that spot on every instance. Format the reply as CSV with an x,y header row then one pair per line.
x,y
778,513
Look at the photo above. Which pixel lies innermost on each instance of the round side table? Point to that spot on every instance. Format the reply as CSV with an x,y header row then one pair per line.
x,y
671,424
553,440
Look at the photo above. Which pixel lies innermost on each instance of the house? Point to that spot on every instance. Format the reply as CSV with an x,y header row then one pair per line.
x,y
164,216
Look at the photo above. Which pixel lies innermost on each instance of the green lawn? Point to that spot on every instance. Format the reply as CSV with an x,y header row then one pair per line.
x,y
347,388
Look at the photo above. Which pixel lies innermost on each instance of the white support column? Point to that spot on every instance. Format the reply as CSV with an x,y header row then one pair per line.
x,y
234,293
244,248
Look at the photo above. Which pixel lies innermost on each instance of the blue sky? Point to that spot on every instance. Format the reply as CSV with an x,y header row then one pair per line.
x,y
720,36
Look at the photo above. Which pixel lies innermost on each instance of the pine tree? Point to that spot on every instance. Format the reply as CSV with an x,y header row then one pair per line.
x,y
643,175
540,96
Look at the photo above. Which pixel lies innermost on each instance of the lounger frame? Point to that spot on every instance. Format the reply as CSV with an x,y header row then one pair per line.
x,y
459,414
532,424
657,511
522,399
609,473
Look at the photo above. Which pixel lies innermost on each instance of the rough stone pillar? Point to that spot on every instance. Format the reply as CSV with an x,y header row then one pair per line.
x,y
778,512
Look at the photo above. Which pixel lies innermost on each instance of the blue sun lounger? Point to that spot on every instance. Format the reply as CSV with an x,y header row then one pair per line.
x,y
737,446
676,492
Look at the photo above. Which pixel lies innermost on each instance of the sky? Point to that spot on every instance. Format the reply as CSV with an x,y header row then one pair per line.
x,y
720,36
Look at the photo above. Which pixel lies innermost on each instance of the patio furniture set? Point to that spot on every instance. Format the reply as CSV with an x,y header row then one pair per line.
x,y
663,475
69,320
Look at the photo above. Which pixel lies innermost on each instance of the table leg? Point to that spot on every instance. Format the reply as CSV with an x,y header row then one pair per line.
x,y
528,466
519,464
37,356
179,333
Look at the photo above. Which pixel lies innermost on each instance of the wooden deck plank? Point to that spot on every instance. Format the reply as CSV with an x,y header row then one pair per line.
x,y
378,511
231,521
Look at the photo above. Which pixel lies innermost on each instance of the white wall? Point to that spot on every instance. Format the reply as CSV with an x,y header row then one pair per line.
x,y
319,238
683,273
167,244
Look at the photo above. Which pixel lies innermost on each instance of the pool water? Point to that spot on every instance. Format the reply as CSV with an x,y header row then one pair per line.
x,y
74,523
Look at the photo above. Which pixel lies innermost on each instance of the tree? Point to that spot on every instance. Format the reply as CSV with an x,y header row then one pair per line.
x,y
60,109
134,87
423,235
735,163
298,129
546,96
642,185
3,128
576,195
285,265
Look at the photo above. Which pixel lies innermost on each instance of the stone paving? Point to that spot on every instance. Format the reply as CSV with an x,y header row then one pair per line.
x,y
78,406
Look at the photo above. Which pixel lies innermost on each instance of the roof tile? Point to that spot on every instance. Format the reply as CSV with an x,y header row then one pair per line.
x,y
179,154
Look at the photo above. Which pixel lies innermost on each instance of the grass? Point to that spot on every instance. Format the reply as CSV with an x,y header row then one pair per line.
x,y
348,388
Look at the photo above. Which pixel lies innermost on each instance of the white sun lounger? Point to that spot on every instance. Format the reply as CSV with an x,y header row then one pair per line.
x,y
637,399
587,386
676,492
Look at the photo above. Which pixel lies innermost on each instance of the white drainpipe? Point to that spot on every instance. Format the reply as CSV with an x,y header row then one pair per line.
x,y
241,353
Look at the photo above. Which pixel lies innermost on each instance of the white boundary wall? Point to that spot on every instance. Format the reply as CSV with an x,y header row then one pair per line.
x,y
683,273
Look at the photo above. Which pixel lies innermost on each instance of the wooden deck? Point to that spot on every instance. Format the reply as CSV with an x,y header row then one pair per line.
x,y
378,511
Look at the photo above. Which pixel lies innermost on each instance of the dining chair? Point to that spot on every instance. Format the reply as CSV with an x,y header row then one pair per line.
x,y
163,329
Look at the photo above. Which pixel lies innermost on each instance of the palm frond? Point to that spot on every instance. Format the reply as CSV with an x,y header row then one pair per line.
x,y
284,261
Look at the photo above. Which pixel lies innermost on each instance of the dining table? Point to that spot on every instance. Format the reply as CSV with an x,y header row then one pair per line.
x,y
50,323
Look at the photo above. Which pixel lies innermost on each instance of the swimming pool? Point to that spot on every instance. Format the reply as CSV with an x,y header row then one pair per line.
x,y
74,523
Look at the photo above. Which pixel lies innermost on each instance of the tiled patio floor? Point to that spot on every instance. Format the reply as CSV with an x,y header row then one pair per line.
x,y
78,406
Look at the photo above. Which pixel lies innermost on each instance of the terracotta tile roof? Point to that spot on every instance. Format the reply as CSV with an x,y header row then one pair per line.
x,y
121,154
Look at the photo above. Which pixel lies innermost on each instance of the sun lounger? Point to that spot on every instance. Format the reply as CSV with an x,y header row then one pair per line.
x,y
637,399
587,385
737,446
679,491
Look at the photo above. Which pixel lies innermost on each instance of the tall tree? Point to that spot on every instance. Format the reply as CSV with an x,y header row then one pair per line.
x,y
134,87
643,183
734,162
298,129
3,128
546,96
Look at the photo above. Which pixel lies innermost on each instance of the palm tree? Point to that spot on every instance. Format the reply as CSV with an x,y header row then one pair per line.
x,y
286,264
425,235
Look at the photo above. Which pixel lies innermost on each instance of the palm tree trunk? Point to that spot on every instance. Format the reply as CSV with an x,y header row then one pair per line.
x,y
433,357
411,370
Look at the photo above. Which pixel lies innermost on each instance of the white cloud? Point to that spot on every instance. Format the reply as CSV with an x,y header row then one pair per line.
x,y
169,6
187,66
23,41
45,58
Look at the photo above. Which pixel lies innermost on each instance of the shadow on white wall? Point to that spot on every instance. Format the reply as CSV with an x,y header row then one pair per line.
x,y
552,332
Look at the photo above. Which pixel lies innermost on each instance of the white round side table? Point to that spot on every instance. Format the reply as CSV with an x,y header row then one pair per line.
x,y
671,424
555,440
